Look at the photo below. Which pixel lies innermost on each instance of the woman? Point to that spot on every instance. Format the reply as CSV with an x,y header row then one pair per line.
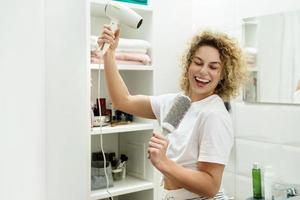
x,y
193,157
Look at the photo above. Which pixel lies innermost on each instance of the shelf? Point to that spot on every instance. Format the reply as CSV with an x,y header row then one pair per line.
x,y
97,7
126,67
134,126
128,185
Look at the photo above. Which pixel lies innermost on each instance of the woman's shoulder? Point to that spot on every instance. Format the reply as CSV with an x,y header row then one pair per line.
x,y
215,118
168,97
216,109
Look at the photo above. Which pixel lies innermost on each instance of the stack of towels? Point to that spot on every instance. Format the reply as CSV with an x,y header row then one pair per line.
x,y
129,51
251,54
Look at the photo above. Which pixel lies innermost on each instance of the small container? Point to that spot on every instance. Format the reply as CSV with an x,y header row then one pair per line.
x,y
101,120
98,177
256,181
117,174
279,192
124,170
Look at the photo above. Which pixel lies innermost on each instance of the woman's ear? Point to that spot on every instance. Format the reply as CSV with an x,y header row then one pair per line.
x,y
223,73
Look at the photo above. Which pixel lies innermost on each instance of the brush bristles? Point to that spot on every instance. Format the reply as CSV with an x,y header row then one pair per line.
x,y
179,108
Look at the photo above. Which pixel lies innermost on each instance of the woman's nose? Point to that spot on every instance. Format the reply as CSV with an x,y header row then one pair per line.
x,y
203,69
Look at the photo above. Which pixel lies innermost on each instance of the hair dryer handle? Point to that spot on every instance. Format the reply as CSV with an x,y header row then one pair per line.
x,y
113,25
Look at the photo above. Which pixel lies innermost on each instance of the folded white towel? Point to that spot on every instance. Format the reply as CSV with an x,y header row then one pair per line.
x,y
128,45
250,50
133,44
144,51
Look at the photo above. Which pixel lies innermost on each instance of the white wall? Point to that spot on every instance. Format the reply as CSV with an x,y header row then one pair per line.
x,y
172,27
22,97
217,14
67,100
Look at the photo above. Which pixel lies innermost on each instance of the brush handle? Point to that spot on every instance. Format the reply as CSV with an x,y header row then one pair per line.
x,y
113,25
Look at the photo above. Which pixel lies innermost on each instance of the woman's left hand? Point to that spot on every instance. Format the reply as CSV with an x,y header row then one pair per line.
x,y
158,145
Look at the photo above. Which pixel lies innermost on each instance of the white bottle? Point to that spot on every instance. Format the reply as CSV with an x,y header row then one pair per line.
x,y
268,181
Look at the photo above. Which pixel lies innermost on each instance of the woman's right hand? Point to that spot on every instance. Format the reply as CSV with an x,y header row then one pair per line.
x,y
108,36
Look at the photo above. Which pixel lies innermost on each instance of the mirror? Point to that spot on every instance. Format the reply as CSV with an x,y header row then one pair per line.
x,y
272,48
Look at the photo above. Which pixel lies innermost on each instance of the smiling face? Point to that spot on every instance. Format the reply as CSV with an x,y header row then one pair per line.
x,y
204,73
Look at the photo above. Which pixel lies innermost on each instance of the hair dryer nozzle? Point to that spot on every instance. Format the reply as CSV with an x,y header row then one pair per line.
x,y
140,23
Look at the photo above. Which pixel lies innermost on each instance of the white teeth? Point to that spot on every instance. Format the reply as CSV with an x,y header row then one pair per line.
x,y
202,80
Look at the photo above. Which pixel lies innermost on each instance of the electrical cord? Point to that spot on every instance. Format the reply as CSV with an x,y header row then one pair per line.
x,y
101,137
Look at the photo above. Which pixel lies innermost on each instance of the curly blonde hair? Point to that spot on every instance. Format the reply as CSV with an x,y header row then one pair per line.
x,y
232,59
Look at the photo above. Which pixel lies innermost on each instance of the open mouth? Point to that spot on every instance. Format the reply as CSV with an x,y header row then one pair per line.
x,y
201,81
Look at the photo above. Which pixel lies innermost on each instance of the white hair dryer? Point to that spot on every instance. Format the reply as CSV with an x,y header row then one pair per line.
x,y
120,14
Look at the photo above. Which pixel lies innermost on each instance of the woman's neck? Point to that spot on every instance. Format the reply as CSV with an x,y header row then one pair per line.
x,y
198,97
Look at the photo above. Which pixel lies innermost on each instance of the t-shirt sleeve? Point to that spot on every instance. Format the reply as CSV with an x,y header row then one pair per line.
x,y
155,105
217,138
161,104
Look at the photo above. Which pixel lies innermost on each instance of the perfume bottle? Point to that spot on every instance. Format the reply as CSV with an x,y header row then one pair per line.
x,y
256,181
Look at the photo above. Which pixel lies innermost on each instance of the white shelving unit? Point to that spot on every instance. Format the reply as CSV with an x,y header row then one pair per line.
x,y
130,139
129,185
123,128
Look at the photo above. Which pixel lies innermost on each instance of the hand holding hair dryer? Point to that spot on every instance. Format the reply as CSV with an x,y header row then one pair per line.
x,y
120,14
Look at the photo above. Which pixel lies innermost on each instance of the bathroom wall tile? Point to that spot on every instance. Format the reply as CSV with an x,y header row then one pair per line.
x,y
228,183
290,167
290,116
253,122
248,152
243,187
230,167
268,123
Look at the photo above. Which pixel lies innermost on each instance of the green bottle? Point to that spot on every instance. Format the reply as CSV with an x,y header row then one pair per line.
x,y
256,181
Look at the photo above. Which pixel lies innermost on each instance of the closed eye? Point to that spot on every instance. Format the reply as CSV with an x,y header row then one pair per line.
x,y
214,67
198,63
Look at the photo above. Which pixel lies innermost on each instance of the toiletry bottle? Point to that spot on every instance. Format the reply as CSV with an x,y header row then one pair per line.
x,y
256,181
268,181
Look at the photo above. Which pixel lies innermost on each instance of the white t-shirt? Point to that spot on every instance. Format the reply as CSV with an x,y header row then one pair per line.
x,y
204,134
